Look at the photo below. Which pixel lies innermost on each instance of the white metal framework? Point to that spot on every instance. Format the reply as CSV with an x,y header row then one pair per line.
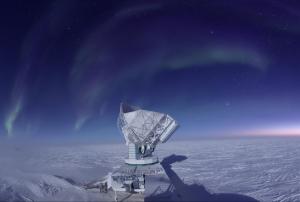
x,y
143,130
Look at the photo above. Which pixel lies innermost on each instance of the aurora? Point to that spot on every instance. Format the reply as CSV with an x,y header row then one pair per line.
x,y
68,67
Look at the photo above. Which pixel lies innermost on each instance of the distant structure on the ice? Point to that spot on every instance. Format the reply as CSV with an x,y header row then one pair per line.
x,y
143,130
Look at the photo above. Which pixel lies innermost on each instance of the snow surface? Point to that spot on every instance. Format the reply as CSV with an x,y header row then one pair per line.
x,y
266,169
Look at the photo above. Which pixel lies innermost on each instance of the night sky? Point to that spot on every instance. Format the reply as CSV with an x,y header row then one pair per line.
x,y
221,68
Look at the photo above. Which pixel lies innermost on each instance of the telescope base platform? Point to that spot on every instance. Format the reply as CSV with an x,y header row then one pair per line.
x,y
145,161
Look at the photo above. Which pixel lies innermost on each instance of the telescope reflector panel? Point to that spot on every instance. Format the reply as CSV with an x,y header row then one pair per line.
x,y
145,127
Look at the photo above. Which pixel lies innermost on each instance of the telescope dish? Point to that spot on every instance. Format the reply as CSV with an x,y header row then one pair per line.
x,y
143,130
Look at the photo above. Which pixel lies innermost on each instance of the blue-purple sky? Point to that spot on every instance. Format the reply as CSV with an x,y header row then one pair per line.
x,y
221,68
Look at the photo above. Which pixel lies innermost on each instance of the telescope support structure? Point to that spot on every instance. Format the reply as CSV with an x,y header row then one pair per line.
x,y
135,157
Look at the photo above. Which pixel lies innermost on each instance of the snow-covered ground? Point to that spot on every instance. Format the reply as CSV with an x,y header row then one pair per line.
x,y
267,169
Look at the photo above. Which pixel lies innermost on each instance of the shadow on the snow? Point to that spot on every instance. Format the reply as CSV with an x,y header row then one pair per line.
x,y
192,192
69,180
